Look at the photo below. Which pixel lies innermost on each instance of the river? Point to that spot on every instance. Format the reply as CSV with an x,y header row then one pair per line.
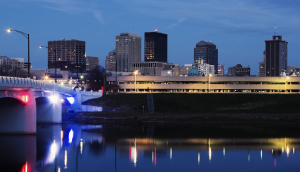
x,y
87,148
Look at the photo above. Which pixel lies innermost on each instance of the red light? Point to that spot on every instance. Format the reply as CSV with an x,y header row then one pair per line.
x,y
155,30
155,157
25,168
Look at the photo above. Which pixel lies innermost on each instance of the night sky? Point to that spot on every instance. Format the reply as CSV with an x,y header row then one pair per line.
x,y
238,28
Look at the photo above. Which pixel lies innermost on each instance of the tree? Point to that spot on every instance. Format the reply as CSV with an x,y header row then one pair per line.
x,y
95,78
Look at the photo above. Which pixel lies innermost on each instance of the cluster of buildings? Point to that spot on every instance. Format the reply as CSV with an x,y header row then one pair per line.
x,y
68,57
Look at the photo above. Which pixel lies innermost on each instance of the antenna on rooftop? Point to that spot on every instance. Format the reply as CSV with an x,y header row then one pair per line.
x,y
275,31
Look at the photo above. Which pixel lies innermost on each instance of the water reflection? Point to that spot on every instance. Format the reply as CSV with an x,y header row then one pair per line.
x,y
73,147
89,108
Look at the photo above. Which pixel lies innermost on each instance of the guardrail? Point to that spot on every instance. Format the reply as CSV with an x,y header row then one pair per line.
x,y
30,83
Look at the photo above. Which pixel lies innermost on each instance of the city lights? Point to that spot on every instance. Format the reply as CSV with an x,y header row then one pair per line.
x,y
71,100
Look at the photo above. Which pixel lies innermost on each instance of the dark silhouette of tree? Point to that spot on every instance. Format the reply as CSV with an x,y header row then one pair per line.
x,y
95,78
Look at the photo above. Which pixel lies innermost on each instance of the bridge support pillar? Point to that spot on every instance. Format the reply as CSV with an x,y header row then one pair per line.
x,y
49,109
18,115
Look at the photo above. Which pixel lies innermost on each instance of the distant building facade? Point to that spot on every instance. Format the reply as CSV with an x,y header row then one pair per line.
x,y
128,50
239,70
151,68
194,71
220,69
70,55
91,62
156,47
262,66
111,61
204,68
182,70
9,64
276,56
208,52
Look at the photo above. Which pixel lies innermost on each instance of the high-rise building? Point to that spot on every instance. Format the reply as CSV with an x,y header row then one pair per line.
x,y
262,66
208,52
128,50
156,47
110,61
276,56
70,55
91,62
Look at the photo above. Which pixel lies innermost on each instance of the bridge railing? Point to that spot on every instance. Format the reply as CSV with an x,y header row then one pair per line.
x,y
37,84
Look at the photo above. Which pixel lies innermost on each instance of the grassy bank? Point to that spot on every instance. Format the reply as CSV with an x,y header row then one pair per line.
x,y
202,103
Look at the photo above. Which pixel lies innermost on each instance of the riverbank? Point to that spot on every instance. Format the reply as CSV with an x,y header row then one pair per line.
x,y
195,109
200,103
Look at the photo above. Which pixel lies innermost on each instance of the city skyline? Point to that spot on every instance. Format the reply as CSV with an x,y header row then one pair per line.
x,y
239,29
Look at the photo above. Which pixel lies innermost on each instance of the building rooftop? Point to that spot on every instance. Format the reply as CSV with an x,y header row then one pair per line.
x,y
203,43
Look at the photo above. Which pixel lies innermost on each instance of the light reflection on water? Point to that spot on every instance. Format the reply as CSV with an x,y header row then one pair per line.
x,y
100,148
88,108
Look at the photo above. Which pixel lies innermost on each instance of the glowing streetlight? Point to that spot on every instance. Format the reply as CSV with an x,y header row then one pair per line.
x,y
210,75
135,73
285,82
26,36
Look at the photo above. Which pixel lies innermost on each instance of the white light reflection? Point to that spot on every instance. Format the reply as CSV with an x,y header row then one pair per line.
x,y
171,153
71,134
260,154
282,150
152,156
293,150
287,151
223,151
198,157
61,138
58,169
66,159
81,146
52,153
248,156
209,153
133,155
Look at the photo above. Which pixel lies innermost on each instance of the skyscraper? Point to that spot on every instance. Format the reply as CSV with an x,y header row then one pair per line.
x,y
128,50
208,52
70,55
110,61
156,47
276,56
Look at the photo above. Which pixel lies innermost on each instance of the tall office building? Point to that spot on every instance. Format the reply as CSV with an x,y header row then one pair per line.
x,y
128,50
276,56
156,47
91,62
70,55
208,52
110,61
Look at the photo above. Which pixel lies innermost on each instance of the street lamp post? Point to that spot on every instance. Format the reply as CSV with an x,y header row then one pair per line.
x,y
54,63
209,82
26,36
285,82
135,73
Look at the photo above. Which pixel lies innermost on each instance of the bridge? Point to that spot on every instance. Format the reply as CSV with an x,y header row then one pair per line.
x,y
25,102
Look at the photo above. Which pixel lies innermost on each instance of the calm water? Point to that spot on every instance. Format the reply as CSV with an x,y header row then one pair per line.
x,y
79,148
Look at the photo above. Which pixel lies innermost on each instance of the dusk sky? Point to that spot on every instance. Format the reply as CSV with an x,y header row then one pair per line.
x,y
238,28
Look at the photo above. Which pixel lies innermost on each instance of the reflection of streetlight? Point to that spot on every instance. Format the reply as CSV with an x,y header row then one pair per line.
x,y
54,62
26,36
209,82
285,81
135,73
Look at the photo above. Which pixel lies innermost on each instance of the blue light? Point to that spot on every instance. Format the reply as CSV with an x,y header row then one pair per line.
x,y
71,100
